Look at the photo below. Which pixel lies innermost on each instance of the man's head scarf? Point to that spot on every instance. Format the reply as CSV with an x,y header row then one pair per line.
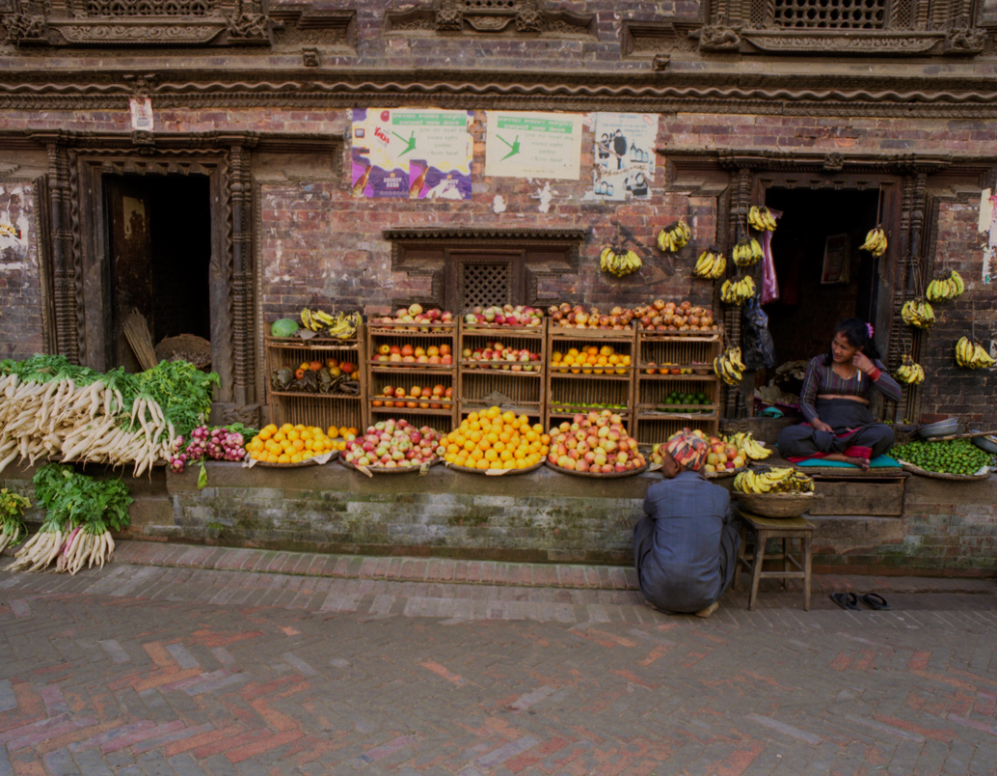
x,y
687,449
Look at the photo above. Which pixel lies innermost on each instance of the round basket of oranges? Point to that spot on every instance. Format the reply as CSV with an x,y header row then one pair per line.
x,y
496,442
294,445
591,360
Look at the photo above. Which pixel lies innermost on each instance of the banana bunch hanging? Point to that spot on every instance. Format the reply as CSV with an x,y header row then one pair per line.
x,y
748,251
773,480
875,242
729,367
737,291
674,236
910,372
340,326
945,287
970,354
618,261
918,313
761,219
711,264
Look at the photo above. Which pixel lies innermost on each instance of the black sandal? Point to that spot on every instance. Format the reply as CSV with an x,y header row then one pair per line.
x,y
846,601
875,601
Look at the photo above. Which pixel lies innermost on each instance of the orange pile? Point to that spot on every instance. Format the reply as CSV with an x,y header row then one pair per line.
x,y
493,439
294,444
591,360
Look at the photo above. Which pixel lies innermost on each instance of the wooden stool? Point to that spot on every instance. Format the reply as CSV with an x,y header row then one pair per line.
x,y
766,528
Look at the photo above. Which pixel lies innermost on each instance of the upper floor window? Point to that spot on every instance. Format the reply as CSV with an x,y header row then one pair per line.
x,y
830,14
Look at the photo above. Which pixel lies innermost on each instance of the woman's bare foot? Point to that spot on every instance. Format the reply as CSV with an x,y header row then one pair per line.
x,y
862,463
708,610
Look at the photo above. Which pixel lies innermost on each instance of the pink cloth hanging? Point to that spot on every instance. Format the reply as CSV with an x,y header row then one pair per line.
x,y
770,283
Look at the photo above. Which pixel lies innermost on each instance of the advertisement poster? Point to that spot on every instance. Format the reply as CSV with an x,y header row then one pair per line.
x,y
419,154
16,205
624,155
533,145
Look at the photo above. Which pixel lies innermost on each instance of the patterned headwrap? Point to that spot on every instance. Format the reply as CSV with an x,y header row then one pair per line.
x,y
687,449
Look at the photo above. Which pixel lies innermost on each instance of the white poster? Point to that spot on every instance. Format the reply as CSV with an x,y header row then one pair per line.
x,y
623,165
988,226
533,145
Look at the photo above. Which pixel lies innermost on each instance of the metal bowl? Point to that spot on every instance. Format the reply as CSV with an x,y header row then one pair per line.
x,y
988,443
942,428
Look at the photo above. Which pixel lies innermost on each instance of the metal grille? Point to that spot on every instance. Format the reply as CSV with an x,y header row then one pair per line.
x,y
130,8
484,285
489,5
831,14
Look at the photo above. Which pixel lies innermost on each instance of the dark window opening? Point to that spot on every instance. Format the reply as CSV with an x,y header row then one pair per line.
x,y
159,237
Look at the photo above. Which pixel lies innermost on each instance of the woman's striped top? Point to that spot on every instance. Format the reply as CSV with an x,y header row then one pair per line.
x,y
821,379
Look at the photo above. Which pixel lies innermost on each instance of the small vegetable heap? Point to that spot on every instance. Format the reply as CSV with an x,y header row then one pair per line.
x,y
80,513
12,530
53,409
958,456
220,444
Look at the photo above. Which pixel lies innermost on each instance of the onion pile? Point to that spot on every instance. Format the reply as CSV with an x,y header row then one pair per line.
x,y
219,444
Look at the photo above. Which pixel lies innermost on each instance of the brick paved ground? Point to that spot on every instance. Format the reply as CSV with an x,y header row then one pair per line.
x,y
156,670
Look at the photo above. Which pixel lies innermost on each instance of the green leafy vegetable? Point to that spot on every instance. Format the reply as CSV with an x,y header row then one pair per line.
x,y
72,500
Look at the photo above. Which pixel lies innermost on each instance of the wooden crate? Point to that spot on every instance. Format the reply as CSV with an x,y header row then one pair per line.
x,y
568,389
656,420
316,409
476,380
381,374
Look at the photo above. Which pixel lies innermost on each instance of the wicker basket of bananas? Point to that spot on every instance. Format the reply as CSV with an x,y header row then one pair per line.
x,y
771,491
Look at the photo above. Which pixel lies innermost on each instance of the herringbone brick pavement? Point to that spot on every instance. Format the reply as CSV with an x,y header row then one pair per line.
x,y
163,670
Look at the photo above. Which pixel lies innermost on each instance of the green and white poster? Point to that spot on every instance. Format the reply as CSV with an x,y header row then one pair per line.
x,y
533,145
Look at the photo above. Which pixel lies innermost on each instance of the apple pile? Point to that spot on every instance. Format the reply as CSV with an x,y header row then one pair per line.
x,y
416,397
394,444
596,443
414,314
657,316
434,355
507,315
495,355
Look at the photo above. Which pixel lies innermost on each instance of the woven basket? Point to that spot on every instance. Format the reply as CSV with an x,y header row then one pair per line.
x,y
776,504
198,347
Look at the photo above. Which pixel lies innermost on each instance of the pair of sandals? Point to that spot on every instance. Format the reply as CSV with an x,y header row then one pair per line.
x,y
850,601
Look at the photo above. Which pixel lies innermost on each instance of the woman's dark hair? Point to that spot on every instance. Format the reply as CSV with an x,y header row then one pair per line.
x,y
856,331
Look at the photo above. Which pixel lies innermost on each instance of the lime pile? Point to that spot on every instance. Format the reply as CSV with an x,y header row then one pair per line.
x,y
684,399
959,456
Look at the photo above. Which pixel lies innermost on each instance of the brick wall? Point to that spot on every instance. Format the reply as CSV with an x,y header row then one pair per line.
x,y
20,283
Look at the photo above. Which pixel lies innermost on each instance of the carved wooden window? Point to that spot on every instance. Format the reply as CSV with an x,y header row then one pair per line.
x,y
132,8
485,284
830,14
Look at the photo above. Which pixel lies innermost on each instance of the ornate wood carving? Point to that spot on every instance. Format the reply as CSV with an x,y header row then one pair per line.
x,y
489,17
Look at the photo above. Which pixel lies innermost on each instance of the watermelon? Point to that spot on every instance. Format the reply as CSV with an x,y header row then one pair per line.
x,y
284,328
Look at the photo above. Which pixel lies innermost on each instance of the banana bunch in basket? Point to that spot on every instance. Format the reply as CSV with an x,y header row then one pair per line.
x,y
340,326
748,251
918,313
875,242
773,480
761,219
945,288
737,291
674,236
729,367
619,262
970,354
909,372
711,264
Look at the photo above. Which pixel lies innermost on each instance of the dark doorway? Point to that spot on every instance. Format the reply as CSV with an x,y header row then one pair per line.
x,y
159,238
802,321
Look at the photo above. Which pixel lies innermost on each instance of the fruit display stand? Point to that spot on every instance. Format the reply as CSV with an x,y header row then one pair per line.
x,y
675,364
315,408
484,371
581,387
398,358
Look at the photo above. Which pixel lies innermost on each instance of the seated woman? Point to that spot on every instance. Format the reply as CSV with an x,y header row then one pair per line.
x,y
835,401
685,547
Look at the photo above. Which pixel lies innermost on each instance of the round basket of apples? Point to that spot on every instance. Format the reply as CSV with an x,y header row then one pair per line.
x,y
722,459
415,317
393,447
595,445
520,316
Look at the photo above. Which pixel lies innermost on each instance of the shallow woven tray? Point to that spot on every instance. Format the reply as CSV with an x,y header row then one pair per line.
x,y
776,504
309,462
382,470
641,470
724,474
496,472
909,467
